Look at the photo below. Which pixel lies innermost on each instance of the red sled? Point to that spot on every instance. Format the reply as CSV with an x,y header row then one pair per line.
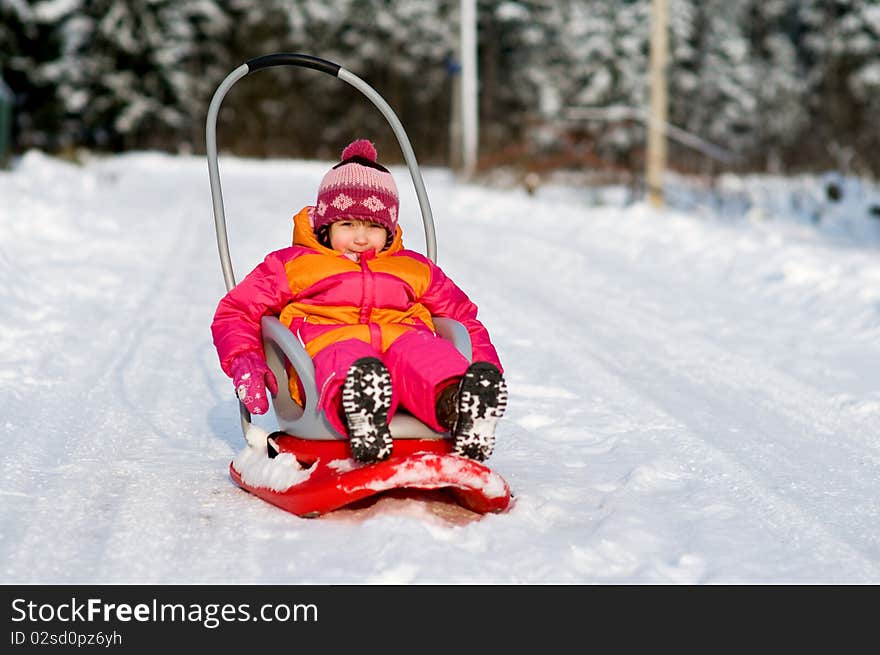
x,y
326,478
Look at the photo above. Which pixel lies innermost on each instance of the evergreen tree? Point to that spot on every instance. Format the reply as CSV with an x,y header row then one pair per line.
x,y
31,51
780,83
617,61
397,46
712,80
774,81
134,72
840,45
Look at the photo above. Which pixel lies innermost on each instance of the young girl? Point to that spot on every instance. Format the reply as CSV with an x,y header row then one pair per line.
x,y
362,305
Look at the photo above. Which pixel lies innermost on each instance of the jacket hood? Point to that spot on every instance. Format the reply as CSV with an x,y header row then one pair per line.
x,y
304,235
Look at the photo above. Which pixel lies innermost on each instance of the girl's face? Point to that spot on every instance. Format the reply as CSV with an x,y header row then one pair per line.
x,y
352,236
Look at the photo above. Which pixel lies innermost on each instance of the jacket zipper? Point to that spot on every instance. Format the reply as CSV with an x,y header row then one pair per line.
x,y
367,297
368,301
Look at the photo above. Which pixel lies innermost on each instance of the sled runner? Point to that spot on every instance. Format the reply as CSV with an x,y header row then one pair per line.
x,y
306,466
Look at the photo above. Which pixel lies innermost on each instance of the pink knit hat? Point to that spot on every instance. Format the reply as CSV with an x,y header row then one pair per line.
x,y
357,187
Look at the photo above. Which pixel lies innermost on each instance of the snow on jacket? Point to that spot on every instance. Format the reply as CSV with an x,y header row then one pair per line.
x,y
324,298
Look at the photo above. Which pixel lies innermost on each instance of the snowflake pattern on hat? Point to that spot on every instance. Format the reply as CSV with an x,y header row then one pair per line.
x,y
373,204
342,202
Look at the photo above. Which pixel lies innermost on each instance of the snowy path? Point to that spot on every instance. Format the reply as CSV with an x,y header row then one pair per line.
x,y
726,424
691,400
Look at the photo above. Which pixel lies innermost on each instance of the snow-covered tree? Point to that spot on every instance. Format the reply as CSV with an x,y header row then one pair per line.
x,y
31,49
840,45
779,83
712,77
607,48
769,80
397,46
133,73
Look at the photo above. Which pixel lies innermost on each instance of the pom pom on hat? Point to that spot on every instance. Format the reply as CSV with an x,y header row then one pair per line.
x,y
360,148
358,187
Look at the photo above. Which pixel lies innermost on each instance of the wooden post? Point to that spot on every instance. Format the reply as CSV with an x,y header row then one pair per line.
x,y
456,156
469,100
657,115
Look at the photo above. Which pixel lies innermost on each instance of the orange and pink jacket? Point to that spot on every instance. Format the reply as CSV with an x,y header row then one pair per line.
x,y
324,297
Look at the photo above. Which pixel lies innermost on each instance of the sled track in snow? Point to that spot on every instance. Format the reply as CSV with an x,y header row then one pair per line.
x,y
100,458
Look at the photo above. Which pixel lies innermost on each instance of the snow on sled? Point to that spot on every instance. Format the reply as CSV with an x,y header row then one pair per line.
x,y
310,477
306,467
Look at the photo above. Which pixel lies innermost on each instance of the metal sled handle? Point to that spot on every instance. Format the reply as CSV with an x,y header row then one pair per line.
x,y
315,63
324,66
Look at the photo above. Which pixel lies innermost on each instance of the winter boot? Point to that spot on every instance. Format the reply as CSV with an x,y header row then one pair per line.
x,y
446,407
482,399
366,399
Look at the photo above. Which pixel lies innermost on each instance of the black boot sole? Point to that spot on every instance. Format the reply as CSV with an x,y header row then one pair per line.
x,y
366,400
482,399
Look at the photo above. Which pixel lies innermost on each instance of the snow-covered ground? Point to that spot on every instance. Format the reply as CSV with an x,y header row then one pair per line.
x,y
695,394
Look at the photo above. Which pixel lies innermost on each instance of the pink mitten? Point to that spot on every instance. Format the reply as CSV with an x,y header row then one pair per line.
x,y
251,376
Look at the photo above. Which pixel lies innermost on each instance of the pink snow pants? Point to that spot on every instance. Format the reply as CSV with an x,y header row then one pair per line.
x,y
420,363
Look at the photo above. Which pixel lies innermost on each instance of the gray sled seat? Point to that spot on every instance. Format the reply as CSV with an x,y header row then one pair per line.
x,y
308,422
